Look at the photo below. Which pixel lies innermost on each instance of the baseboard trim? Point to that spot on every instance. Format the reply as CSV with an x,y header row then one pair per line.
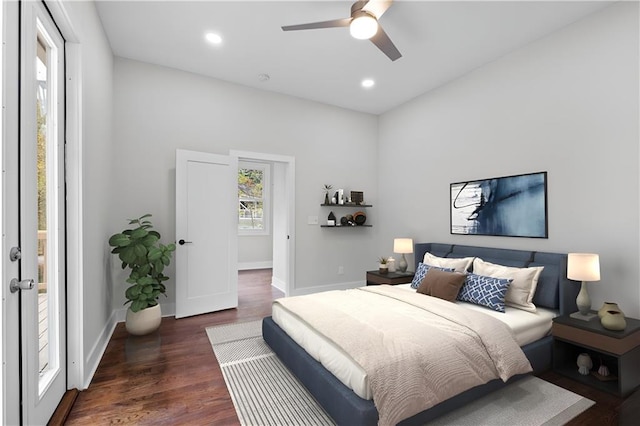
x,y
246,266
98,349
278,283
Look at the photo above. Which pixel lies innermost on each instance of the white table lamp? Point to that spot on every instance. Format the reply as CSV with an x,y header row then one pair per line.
x,y
402,246
583,267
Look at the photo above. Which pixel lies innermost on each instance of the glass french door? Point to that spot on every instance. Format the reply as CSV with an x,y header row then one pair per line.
x,y
41,214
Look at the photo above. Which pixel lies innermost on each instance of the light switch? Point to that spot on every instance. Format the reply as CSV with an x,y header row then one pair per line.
x,y
312,220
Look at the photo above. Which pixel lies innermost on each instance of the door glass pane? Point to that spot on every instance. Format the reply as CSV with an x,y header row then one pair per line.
x,y
41,121
48,204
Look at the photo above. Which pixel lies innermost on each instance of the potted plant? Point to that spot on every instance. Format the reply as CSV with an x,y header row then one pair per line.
x,y
383,267
140,250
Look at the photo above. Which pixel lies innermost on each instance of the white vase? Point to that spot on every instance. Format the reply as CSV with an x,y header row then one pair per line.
x,y
584,364
391,264
143,322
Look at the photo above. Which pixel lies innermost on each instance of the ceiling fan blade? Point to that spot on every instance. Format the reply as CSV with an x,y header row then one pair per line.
x,y
315,25
377,7
384,43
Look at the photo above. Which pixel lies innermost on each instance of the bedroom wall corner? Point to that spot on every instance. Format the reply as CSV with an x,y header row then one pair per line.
x,y
566,104
94,69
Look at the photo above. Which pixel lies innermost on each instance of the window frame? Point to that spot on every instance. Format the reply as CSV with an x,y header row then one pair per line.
x,y
266,198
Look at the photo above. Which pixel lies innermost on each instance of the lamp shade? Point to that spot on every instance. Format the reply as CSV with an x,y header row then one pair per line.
x,y
403,245
583,267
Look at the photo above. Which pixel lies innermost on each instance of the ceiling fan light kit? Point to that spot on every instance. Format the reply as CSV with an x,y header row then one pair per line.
x,y
363,24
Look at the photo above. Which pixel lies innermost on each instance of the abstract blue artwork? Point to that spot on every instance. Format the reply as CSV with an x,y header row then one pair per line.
x,y
511,206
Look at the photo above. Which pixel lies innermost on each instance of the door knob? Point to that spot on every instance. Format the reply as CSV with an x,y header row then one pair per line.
x,y
21,285
183,242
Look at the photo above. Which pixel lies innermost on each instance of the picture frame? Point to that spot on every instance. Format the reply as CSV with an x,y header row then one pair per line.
x,y
510,206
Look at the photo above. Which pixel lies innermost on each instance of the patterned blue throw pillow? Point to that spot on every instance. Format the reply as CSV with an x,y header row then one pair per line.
x,y
485,291
422,270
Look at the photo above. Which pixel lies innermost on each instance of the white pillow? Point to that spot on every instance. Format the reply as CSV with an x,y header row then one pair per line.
x,y
458,264
522,288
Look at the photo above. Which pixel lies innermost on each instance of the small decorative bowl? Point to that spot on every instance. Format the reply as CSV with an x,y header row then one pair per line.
x,y
359,218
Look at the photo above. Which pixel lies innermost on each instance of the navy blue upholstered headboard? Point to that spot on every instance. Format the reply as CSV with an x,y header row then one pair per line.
x,y
554,290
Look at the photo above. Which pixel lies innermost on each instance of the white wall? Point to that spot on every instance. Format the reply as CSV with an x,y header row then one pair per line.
x,y
96,99
255,251
158,110
566,104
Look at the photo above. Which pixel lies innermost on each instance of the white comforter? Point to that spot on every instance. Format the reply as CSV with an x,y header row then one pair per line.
x,y
417,351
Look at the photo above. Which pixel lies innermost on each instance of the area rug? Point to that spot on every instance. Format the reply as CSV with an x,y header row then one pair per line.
x,y
264,392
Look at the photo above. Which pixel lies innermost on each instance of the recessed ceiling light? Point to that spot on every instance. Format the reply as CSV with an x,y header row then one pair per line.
x,y
213,38
367,83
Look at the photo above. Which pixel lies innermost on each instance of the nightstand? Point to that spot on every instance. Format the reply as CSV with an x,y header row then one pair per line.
x,y
391,278
618,350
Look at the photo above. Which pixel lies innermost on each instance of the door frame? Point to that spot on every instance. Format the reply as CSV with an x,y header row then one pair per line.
x,y
288,194
76,364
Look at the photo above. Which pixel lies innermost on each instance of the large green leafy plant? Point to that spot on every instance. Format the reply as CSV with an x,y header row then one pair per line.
x,y
140,250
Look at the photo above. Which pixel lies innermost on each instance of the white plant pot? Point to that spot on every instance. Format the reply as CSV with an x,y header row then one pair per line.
x,y
143,322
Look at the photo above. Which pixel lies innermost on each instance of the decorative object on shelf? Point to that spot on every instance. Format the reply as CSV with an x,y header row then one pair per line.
x,y
383,267
327,188
613,320
402,246
603,370
489,207
359,218
584,364
609,306
331,219
391,264
583,267
340,196
357,197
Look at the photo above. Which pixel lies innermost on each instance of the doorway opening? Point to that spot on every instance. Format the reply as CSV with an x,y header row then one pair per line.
x,y
271,246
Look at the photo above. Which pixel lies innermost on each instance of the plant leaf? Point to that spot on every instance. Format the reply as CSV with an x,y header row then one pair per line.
x,y
119,240
139,233
154,254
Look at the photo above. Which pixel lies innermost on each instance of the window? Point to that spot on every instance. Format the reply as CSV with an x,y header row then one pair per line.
x,y
253,198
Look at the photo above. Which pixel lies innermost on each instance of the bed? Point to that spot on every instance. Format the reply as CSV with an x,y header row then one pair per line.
x,y
554,292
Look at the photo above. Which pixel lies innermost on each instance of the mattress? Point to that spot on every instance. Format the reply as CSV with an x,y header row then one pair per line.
x,y
526,327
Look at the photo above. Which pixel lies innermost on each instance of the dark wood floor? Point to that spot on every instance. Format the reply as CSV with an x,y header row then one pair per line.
x,y
172,377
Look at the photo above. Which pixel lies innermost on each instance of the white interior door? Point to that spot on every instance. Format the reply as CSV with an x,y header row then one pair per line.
x,y
41,284
206,233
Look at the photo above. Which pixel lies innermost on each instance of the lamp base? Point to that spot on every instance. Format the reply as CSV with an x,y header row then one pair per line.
x,y
583,317
402,265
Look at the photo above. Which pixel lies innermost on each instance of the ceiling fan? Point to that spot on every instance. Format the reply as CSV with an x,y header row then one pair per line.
x,y
363,24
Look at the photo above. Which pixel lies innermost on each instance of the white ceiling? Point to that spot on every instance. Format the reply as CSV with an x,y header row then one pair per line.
x,y
439,41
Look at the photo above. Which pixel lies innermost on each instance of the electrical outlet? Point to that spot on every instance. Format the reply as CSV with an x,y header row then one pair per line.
x,y
340,270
